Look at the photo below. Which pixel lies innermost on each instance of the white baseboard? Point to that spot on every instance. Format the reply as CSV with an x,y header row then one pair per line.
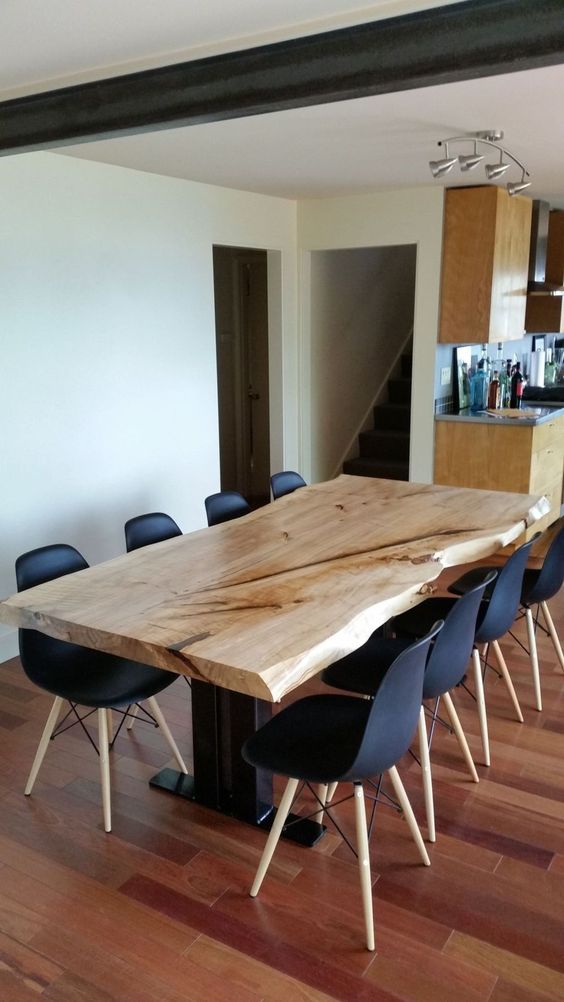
x,y
9,646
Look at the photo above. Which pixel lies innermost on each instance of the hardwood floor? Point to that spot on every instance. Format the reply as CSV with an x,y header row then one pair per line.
x,y
160,909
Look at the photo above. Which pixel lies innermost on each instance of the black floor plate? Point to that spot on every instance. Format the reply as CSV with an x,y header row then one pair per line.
x,y
303,831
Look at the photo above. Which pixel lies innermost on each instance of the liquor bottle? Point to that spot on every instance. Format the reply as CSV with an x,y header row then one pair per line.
x,y
493,392
504,390
549,369
516,385
479,388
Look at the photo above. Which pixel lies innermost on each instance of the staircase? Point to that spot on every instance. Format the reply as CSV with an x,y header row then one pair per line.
x,y
384,450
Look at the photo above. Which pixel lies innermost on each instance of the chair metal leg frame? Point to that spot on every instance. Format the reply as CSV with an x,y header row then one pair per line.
x,y
105,767
481,702
460,735
427,776
507,679
531,636
44,743
408,813
553,634
364,864
158,715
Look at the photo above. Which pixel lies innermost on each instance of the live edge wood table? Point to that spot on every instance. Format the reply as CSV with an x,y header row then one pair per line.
x,y
252,608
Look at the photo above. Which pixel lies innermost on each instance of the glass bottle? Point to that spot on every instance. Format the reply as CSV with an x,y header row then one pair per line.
x,y
479,388
516,385
493,392
549,369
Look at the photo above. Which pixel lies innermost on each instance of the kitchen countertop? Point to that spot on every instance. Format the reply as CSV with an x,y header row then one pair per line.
x,y
542,415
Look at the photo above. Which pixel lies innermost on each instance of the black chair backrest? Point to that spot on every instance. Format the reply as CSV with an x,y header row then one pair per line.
x,y
505,597
41,655
224,506
452,648
285,482
143,530
46,563
551,576
394,711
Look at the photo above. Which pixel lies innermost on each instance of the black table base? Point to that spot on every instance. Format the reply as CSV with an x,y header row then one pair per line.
x,y
222,721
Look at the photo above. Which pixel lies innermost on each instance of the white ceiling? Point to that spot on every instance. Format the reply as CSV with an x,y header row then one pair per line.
x,y
352,146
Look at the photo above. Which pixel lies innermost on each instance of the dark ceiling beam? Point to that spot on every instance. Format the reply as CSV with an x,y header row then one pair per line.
x,y
436,46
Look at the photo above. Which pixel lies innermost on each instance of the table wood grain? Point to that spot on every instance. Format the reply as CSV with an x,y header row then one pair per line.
x,y
260,604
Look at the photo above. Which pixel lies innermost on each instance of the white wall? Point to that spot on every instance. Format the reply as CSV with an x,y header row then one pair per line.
x,y
361,308
108,400
390,218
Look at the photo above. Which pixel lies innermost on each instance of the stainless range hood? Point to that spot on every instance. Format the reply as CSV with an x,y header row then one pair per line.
x,y
538,286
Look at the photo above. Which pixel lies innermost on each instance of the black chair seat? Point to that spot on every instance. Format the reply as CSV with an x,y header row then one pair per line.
x,y
316,738
416,621
362,670
88,677
469,580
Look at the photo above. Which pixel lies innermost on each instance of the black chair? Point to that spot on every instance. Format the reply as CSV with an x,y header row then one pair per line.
x,y
326,739
143,530
82,676
497,612
537,588
285,482
362,672
224,506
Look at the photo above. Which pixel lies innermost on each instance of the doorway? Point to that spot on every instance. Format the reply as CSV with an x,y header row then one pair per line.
x,y
241,321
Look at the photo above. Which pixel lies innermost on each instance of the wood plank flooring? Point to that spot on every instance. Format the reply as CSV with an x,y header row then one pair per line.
x,y
159,909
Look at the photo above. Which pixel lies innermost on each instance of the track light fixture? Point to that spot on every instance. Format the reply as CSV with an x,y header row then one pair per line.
x,y
468,161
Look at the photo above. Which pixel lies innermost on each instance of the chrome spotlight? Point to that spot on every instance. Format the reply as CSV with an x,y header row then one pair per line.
x,y
471,161
496,169
440,167
514,187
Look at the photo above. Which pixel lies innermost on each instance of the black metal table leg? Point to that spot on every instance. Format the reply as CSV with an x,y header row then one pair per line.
x,y
222,720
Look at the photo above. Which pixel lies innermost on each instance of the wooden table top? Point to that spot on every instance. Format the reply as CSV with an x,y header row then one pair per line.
x,y
260,604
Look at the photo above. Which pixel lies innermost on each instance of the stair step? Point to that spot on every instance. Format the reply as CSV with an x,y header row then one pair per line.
x,y
384,444
383,469
396,417
399,390
406,366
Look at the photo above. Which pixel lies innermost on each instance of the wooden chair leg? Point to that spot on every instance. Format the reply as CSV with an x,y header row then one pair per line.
x,y
553,634
427,776
103,747
133,711
44,743
532,638
408,813
481,701
110,719
460,735
331,789
322,794
275,833
507,679
364,864
158,715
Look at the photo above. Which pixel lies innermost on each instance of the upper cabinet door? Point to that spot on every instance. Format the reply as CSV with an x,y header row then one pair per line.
x,y
485,265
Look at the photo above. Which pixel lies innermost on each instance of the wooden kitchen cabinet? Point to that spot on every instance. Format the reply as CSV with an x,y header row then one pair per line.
x,y
496,456
485,265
